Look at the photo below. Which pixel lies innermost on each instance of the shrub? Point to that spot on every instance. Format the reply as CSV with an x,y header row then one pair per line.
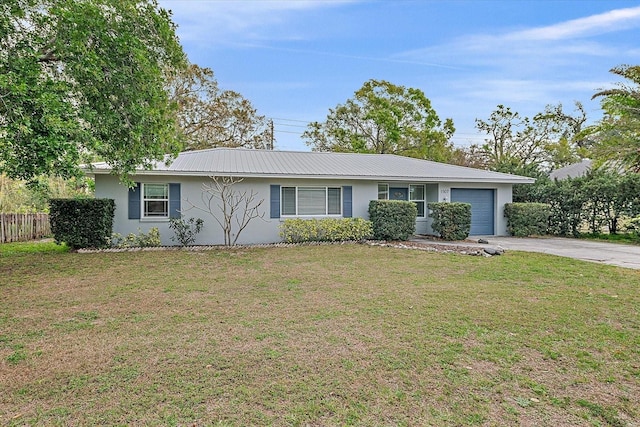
x,y
82,223
632,226
527,219
140,240
393,219
451,220
325,230
185,231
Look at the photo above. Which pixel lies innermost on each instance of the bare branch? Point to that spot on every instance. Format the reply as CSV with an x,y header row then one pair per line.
x,y
237,208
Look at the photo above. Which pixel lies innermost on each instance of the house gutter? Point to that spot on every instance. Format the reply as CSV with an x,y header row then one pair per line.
x,y
519,180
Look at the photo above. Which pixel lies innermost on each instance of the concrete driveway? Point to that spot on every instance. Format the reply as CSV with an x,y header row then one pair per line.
x,y
621,255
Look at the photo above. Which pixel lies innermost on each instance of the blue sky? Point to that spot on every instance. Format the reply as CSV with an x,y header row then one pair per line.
x,y
296,59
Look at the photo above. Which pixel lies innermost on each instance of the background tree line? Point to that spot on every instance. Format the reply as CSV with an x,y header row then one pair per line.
x,y
602,199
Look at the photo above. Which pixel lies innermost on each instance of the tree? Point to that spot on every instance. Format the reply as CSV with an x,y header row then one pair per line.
x,y
549,140
567,200
85,77
384,118
569,145
471,157
617,135
611,196
210,117
238,208
18,196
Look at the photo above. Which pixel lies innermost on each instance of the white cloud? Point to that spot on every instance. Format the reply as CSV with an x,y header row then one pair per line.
x,y
560,43
225,21
611,21
519,91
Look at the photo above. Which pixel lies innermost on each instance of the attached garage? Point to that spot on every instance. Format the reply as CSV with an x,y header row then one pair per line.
x,y
482,203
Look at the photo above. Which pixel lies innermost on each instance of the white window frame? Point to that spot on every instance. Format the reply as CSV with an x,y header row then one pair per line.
x,y
385,193
423,200
144,200
297,199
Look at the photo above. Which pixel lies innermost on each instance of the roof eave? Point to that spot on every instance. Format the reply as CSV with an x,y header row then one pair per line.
x,y
500,180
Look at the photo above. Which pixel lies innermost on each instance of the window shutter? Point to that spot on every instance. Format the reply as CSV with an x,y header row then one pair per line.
x,y
174,201
134,202
275,201
347,204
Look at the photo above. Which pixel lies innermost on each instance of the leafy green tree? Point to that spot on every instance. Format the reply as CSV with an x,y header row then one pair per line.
x,y
384,118
210,117
471,156
568,146
547,141
617,135
567,199
611,196
501,146
17,196
85,77
523,193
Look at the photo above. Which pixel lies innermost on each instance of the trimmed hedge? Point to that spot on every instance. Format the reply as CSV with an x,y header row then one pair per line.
x,y
82,223
452,221
527,219
325,230
393,219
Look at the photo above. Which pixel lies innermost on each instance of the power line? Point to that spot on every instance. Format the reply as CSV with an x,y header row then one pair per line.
x,y
288,131
291,120
281,122
291,126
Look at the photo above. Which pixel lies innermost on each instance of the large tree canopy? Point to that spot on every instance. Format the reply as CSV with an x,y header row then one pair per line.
x,y
384,118
210,117
85,77
549,140
617,136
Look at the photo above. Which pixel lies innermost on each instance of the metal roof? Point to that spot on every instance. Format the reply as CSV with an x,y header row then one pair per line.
x,y
308,164
574,170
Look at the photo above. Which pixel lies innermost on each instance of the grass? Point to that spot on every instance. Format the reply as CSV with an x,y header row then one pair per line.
x,y
317,335
30,248
629,238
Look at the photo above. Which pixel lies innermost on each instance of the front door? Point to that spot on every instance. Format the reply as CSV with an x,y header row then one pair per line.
x,y
399,193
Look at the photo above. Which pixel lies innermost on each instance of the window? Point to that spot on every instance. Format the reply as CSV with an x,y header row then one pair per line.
x,y
383,191
306,201
288,200
155,200
312,201
333,201
416,195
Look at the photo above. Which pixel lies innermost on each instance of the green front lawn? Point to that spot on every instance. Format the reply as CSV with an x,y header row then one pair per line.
x,y
317,335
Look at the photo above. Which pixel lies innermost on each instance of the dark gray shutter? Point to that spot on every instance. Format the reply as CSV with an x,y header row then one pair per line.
x,y
174,200
275,201
134,202
347,204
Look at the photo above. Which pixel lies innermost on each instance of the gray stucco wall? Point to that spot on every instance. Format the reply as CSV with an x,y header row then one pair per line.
x,y
265,229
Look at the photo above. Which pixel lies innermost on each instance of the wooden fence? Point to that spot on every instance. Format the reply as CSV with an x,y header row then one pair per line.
x,y
23,227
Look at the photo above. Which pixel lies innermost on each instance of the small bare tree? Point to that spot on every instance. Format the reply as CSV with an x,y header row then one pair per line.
x,y
238,208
